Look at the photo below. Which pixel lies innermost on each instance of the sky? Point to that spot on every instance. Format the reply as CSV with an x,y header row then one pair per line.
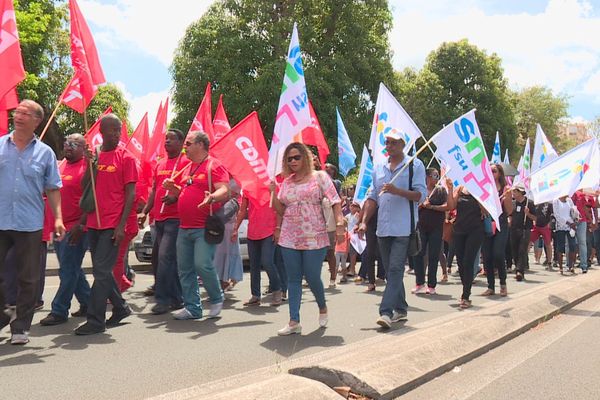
x,y
541,42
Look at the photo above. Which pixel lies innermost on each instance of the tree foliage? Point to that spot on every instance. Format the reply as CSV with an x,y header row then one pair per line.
x,y
456,78
538,105
240,47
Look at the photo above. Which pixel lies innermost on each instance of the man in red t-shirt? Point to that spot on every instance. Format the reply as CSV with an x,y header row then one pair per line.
x,y
167,288
115,191
71,250
194,254
586,207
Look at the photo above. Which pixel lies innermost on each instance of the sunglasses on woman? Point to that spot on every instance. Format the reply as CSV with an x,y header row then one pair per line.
x,y
297,157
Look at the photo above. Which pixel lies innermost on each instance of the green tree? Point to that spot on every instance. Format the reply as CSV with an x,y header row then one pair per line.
x,y
456,78
240,47
538,105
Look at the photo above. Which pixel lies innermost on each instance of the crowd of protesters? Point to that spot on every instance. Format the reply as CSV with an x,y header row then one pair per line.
x,y
92,200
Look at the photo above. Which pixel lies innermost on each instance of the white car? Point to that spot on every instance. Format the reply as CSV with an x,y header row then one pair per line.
x,y
142,243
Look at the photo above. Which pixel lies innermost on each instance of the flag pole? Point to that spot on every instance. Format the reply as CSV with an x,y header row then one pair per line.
x,y
60,99
162,208
412,159
92,178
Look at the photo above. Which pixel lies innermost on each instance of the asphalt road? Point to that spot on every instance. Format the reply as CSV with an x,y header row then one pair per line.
x,y
557,360
149,355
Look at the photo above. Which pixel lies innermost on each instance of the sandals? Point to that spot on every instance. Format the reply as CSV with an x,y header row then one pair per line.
x,y
445,278
464,304
488,292
370,288
254,301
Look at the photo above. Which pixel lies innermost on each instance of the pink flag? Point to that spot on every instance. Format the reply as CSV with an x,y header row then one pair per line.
x,y
203,120
11,62
220,123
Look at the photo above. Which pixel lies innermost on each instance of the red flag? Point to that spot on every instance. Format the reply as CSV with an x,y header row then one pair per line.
x,y
139,139
124,135
244,154
7,102
156,146
313,135
220,123
84,58
93,137
203,120
11,61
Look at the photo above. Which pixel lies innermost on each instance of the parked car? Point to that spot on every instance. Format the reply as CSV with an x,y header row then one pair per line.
x,y
142,244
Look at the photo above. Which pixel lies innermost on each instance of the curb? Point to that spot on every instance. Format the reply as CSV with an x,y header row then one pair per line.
x,y
392,364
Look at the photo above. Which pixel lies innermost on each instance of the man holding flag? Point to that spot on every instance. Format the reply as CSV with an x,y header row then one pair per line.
x,y
393,220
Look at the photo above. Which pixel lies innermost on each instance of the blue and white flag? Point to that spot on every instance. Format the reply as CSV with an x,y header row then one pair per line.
x,y
543,152
365,177
496,152
506,159
346,152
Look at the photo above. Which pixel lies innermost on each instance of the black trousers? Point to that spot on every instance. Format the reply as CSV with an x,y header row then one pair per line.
x,y
519,241
466,246
104,256
26,247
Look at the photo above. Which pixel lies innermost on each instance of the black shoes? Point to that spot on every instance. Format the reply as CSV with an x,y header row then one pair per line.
x,y
82,312
159,309
89,329
53,319
119,315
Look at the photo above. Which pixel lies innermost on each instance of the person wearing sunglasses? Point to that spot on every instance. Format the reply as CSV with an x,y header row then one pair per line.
x,y
302,234
71,250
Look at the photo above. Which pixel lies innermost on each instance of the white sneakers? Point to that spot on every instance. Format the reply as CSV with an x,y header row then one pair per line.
x,y
289,330
323,319
419,289
215,310
19,338
386,322
184,314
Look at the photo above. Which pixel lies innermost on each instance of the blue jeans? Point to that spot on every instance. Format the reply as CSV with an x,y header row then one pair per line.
x,y
393,253
280,267
307,263
167,288
72,277
262,253
195,257
581,235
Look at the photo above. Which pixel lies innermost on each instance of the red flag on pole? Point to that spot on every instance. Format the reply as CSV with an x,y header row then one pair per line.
x,y
84,58
156,147
8,102
220,123
124,135
139,139
11,62
93,137
313,136
244,154
203,119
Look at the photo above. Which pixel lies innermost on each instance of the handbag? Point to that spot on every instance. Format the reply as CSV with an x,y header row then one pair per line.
x,y
414,239
214,228
326,206
489,226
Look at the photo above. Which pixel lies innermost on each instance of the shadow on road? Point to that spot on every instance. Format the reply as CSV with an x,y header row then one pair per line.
x,y
287,346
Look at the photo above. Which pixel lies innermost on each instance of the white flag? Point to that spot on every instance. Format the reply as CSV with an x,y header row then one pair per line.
x,y
524,167
506,159
293,114
543,152
591,179
564,175
460,146
390,117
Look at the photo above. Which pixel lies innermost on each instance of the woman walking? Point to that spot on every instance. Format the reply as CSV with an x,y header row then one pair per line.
x,y
303,235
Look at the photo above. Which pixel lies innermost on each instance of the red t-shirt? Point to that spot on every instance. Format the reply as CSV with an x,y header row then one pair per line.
x,y
116,169
583,202
71,191
141,196
190,215
48,228
164,170
261,221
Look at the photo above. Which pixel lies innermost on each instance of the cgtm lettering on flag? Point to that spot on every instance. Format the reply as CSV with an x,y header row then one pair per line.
x,y
465,130
549,181
251,155
381,121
